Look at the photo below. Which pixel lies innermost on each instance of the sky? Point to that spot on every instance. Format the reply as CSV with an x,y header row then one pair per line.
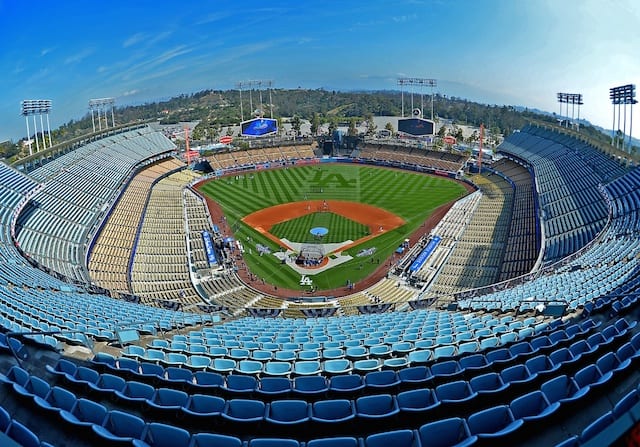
x,y
513,52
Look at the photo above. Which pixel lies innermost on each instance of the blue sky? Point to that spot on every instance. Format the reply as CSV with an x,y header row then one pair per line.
x,y
516,52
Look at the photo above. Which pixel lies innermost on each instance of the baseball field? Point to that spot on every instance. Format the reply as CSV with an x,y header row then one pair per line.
x,y
372,208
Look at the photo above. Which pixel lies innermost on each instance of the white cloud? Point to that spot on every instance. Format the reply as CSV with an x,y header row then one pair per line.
x,y
79,56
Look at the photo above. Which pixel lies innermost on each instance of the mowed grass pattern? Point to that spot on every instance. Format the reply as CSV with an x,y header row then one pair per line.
x,y
340,228
410,195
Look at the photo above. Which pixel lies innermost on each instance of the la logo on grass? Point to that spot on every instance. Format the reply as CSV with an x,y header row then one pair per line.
x,y
335,179
305,281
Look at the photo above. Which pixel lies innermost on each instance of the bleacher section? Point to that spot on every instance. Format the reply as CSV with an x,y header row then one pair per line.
x,y
449,229
226,160
523,245
567,173
111,252
444,161
476,258
79,186
160,269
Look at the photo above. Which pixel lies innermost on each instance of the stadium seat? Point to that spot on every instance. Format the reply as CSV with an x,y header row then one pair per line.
x,y
166,401
240,385
562,389
214,440
334,442
337,366
446,432
310,387
381,381
348,384
163,435
22,435
85,413
493,423
376,407
135,392
57,399
243,414
532,406
399,438
203,407
270,387
290,417
334,413
120,427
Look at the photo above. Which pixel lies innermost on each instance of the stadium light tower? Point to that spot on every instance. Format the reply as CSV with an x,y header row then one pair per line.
x,y
250,85
622,95
573,99
421,82
33,107
99,105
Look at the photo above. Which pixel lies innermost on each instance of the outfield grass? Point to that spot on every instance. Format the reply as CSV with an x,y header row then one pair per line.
x,y
410,195
340,228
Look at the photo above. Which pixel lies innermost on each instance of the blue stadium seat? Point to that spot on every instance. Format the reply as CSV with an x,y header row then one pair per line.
x,y
310,387
416,405
222,365
532,406
5,420
239,385
277,368
335,413
396,438
306,368
446,432
376,407
366,365
249,367
420,357
270,387
446,370
273,442
590,377
381,381
474,363
290,416
203,407
163,435
166,401
136,392
596,427
337,366
22,435
85,413
334,442
415,375
455,393
107,384
488,384
214,440
16,375
562,389
346,384
542,366
243,414
493,423
57,399
120,427
35,386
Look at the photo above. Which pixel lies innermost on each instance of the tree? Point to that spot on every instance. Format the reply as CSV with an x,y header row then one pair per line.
x,y
295,124
389,127
352,131
315,124
442,131
371,126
